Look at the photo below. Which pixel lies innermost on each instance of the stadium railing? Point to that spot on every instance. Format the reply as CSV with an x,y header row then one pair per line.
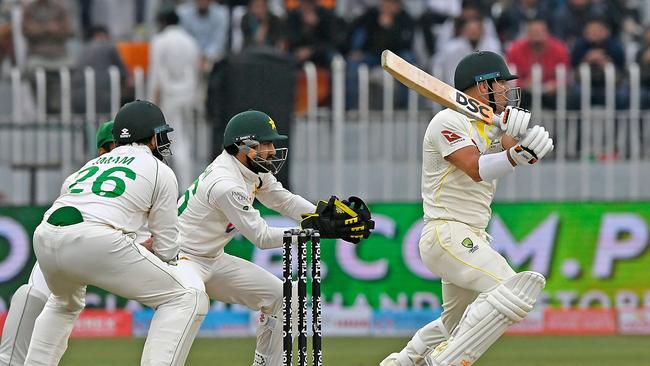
x,y
602,153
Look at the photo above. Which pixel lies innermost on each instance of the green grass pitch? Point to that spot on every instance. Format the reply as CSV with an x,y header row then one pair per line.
x,y
519,351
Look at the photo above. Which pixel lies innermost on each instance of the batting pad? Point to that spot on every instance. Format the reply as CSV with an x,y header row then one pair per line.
x,y
487,319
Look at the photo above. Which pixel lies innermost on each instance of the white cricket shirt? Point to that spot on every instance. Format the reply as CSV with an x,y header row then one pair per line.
x,y
126,189
220,202
447,192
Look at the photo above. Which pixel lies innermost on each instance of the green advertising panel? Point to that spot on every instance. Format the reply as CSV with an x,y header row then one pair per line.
x,y
593,255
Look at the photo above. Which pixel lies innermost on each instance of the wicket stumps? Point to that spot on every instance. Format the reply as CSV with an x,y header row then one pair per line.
x,y
303,236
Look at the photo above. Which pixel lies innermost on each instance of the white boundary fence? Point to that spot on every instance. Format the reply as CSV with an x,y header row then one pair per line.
x,y
368,152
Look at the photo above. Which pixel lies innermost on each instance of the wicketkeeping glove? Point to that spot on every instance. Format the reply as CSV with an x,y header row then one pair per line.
x,y
335,219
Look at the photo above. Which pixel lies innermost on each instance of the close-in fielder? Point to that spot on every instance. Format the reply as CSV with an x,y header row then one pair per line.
x,y
29,299
220,202
88,237
462,161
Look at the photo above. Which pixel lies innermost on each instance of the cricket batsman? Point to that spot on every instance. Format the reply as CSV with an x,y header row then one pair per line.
x,y
220,202
88,237
29,299
462,161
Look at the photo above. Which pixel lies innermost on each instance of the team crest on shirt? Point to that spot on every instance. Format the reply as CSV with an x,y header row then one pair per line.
x,y
452,137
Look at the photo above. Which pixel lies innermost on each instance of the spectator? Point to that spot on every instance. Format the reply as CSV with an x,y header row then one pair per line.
x,y
570,18
47,28
538,47
452,28
435,14
470,39
597,47
174,62
100,54
643,59
207,22
511,24
312,33
6,40
261,28
124,19
387,26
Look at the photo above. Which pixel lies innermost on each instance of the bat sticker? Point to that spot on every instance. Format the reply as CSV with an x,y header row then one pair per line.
x,y
472,104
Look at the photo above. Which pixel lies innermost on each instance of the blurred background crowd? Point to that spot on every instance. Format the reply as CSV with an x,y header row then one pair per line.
x,y
203,61
434,34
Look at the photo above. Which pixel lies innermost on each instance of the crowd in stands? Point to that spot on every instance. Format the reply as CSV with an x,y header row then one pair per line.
x,y
435,34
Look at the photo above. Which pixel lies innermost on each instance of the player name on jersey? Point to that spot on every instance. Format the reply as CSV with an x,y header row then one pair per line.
x,y
125,160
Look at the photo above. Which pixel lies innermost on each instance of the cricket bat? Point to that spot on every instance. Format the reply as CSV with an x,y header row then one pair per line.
x,y
435,90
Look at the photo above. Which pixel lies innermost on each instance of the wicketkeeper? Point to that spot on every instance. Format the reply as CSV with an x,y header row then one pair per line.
x,y
220,203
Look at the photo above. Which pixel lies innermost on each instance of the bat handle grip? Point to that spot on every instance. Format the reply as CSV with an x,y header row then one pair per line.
x,y
496,119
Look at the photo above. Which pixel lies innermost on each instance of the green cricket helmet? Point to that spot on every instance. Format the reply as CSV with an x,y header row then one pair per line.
x,y
104,134
486,66
140,120
245,131
478,66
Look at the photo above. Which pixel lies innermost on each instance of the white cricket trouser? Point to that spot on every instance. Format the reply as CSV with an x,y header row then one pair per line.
x,y
75,256
178,113
463,258
26,305
233,280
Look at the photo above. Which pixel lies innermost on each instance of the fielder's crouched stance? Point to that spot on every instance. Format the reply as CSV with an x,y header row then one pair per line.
x,y
88,237
220,202
29,299
462,160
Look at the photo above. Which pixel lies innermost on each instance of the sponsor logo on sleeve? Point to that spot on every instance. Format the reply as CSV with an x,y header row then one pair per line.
x,y
241,197
452,137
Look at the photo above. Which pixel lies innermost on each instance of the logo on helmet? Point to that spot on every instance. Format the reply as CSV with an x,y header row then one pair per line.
x,y
272,124
125,133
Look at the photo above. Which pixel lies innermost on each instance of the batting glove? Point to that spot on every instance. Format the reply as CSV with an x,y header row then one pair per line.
x,y
514,121
535,145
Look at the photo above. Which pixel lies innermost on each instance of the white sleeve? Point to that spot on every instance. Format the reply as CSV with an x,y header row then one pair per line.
x,y
448,133
233,201
273,195
163,222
